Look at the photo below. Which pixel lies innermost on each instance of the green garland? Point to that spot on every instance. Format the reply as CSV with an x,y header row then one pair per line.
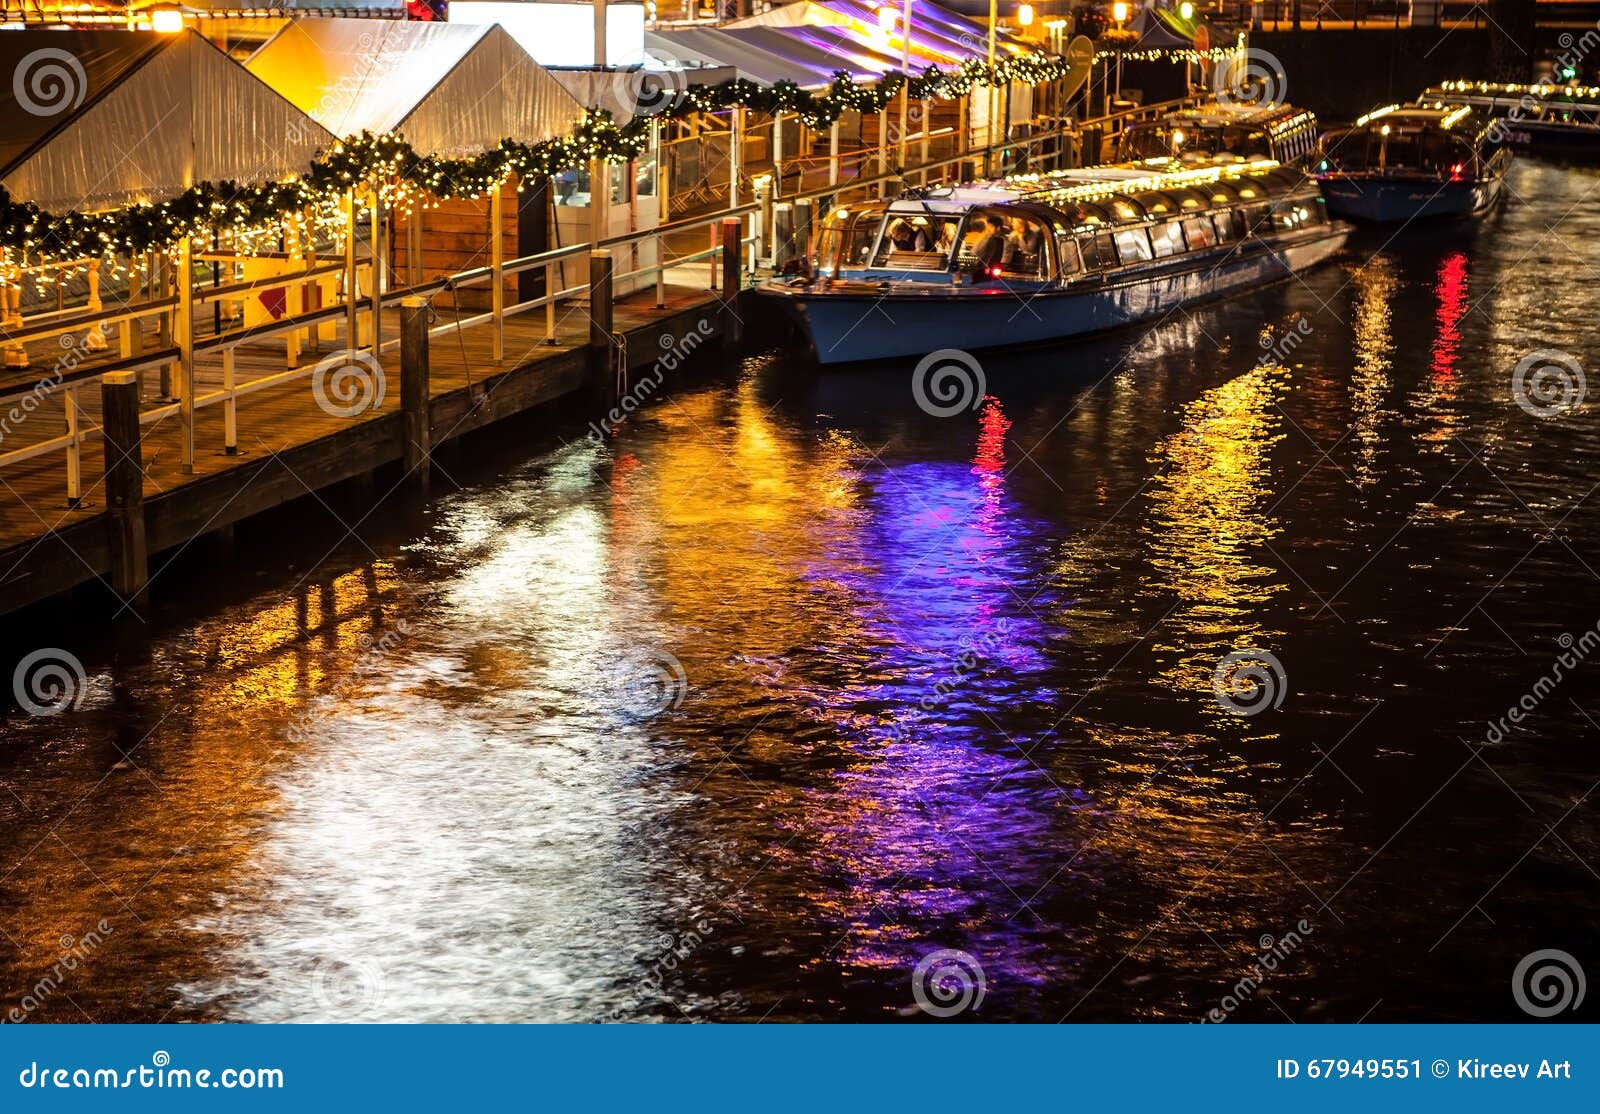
x,y
369,160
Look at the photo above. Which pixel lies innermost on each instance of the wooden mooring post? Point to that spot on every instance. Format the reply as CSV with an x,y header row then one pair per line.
x,y
732,327
124,482
603,372
415,453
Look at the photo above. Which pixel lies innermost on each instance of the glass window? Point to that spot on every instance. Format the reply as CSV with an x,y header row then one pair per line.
x,y
1027,254
644,176
858,240
1228,225
1099,250
916,242
1067,252
1199,233
618,173
1133,245
1168,239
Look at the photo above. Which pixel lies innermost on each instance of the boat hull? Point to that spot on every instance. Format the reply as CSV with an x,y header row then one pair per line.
x,y
849,328
1393,200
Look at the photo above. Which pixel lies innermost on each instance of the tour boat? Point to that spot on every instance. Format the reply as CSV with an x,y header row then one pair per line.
x,y
1047,257
1402,164
1560,121
1269,131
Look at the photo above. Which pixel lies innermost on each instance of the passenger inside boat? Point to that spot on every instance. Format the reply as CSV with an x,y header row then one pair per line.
x,y
919,242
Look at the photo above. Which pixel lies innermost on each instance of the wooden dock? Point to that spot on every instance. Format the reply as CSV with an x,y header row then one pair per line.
x,y
290,447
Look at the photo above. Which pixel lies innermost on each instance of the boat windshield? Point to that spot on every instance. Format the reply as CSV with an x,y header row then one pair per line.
x,y
916,242
1164,139
1429,150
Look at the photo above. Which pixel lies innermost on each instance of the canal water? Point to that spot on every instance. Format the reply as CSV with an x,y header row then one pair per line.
x,y
1169,681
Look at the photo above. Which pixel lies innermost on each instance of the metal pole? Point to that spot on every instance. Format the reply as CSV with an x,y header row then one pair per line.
x,y
185,338
988,121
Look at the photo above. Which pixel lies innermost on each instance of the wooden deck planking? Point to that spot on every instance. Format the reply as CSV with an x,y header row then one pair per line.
x,y
285,416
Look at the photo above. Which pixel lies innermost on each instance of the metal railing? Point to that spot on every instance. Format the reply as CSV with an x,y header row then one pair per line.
x,y
68,381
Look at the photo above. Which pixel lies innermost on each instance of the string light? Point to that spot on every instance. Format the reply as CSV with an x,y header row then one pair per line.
x,y
387,170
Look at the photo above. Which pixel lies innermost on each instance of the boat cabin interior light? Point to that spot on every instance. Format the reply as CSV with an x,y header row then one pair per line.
x,y
1062,227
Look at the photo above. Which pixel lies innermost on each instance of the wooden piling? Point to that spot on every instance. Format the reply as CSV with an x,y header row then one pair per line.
x,y
417,445
732,327
802,233
602,310
124,483
783,239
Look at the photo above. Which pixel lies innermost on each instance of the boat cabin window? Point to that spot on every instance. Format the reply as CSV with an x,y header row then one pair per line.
x,y
1167,239
1229,225
1133,245
1257,217
1199,233
1006,245
847,238
1067,254
916,242
1099,250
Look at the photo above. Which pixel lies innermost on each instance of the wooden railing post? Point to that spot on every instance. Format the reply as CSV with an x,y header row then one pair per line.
x,y
124,483
731,326
415,391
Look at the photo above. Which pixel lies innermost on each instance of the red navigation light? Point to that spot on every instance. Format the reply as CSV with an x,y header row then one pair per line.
x,y
994,272
1455,171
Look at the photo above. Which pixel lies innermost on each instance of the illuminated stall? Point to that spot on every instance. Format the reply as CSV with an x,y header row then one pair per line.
x,y
449,89
561,37
105,120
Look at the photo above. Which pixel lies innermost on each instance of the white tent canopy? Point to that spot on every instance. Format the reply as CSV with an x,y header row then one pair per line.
x,y
450,89
157,115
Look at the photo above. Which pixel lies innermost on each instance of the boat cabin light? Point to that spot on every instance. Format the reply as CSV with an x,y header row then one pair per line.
x,y
1376,114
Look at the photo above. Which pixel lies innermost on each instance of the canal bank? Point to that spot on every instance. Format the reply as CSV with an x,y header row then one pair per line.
x,y
141,507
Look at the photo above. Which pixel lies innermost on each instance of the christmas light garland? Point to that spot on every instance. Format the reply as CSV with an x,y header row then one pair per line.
x,y
389,168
